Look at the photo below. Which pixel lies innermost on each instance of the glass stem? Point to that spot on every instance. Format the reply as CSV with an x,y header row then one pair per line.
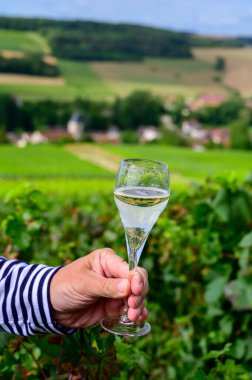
x,y
132,259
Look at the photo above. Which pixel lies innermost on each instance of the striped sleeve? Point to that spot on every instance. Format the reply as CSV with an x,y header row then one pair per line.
x,y
25,307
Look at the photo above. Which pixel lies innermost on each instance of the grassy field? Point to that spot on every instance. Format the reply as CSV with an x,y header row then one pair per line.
x,y
99,80
83,79
187,165
78,80
52,168
31,42
74,169
60,186
161,76
44,161
238,66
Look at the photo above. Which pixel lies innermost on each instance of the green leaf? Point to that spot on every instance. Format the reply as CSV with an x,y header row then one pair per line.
x,y
17,230
221,205
226,325
36,352
238,349
214,289
199,375
239,293
216,354
246,241
36,197
4,339
110,236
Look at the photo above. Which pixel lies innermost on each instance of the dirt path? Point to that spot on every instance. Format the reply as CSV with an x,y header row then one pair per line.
x,y
96,155
30,79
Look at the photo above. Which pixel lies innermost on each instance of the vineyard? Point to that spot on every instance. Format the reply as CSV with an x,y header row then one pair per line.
x,y
198,257
57,205
81,168
56,198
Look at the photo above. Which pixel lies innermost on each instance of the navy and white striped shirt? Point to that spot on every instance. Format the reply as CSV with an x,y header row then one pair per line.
x,y
25,307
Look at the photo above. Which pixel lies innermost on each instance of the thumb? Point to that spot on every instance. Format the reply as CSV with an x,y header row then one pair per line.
x,y
113,287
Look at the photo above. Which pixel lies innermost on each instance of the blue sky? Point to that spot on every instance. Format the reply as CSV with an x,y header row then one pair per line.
x,y
218,17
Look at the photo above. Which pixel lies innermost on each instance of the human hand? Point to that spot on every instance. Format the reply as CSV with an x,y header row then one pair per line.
x,y
87,290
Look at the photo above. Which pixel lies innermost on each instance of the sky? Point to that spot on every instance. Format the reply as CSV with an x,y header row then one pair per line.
x,y
211,17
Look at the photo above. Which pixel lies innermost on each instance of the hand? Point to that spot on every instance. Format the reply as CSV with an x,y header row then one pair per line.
x,y
94,286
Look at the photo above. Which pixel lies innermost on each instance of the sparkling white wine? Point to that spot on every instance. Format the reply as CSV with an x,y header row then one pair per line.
x,y
139,208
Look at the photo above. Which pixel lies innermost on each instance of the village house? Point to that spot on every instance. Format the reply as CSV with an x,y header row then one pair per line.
x,y
206,100
112,135
220,136
167,122
148,134
38,137
200,136
194,130
75,129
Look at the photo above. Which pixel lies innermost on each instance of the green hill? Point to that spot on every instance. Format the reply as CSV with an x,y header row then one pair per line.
x,y
87,40
24,41
101,60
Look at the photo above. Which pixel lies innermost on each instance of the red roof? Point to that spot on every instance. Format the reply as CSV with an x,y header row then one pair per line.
x,y
220,135
56,134
207,100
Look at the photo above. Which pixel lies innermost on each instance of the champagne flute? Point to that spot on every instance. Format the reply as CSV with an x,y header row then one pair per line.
x,y
141,193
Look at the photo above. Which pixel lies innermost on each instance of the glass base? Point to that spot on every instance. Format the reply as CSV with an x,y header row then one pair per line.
x,y
116,325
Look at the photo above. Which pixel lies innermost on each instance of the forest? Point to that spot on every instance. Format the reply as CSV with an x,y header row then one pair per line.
x,y
87,40
32,64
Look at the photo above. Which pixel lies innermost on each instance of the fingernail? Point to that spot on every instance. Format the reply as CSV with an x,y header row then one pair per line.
x,y
123,286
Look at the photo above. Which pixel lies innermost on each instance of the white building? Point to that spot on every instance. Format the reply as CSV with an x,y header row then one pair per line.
x,y
75,126
148,134
193,129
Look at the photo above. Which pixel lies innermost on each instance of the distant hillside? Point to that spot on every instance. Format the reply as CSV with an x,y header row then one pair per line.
x,y
101,61
86,40
215,42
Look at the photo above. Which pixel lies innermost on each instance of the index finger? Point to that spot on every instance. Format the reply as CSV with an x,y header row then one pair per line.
x,y
107,263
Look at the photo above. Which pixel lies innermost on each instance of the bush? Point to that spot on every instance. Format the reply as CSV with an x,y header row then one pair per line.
x,y
129,137
3,138
220,64
239,132
173,138
30,65
139,108
198,257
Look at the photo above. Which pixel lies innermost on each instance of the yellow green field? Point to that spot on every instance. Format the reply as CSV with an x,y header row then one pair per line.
x,y
101,80
31,42
238,66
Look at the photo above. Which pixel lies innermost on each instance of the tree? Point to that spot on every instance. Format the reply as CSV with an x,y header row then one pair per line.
x,y
220,64
173,138
139,108
9,113
222,114
239,132
98,116
177,110
3,138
